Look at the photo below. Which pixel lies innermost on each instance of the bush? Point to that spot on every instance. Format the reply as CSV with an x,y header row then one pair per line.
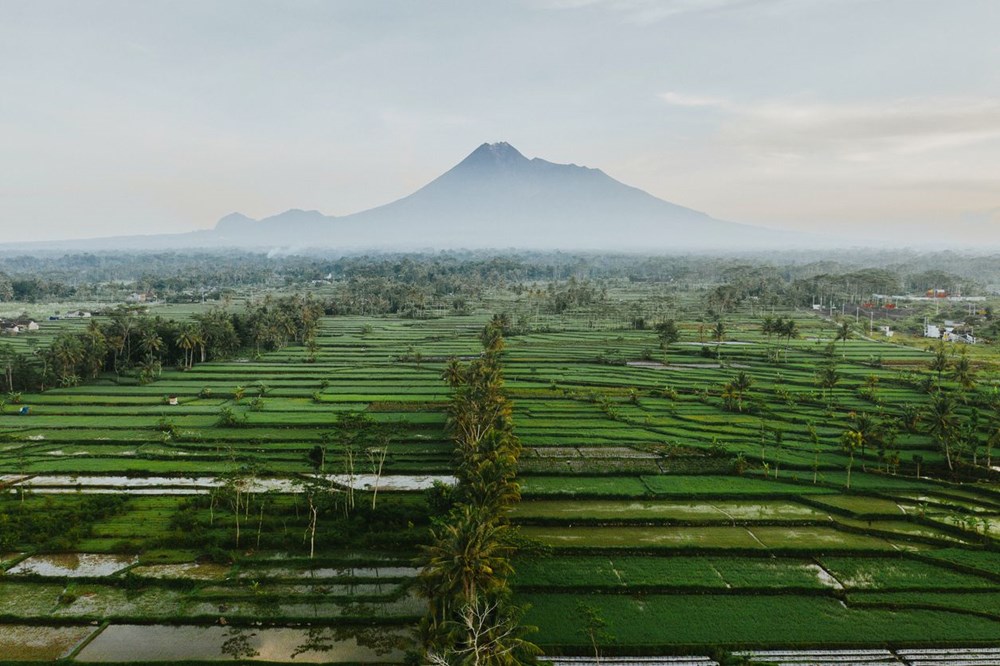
x,y
229,419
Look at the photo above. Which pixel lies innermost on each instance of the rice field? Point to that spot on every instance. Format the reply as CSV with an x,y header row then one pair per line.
x,y
681,523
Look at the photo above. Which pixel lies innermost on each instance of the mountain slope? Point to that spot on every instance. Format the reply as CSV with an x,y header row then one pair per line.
x,y
496,197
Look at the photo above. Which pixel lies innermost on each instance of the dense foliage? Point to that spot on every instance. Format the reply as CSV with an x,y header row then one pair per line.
x,y
131,341
470,617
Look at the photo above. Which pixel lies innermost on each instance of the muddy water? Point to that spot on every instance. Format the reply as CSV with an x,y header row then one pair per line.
x,y
162,643
390,482
324,572
65,480
187,571
824,577
118,491
166,485
73,565
36,643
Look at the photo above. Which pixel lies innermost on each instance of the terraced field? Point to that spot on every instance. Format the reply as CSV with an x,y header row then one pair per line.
x,y
685,526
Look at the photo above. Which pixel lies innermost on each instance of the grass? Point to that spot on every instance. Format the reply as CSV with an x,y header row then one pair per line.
x,y
721,486
984,603
639,510
871,573
629,572
654,621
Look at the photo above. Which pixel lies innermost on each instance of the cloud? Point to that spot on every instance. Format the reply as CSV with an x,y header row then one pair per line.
x,y
682,99
866,132
653,11
805,161
851,131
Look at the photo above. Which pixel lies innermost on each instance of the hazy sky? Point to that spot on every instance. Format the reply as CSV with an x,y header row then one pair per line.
x,y
141,116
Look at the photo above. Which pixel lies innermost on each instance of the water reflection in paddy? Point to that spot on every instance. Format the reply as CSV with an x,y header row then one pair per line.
x,y
162,643
73,565
329,572
166,485
38,643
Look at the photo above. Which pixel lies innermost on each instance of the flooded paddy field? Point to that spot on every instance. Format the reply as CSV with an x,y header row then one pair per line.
x,y
680,520
204,485
23,642
73,565
163,643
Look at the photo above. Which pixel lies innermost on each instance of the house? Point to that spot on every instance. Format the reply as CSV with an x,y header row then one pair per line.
x,y
16,326
958,333
951,331
886,331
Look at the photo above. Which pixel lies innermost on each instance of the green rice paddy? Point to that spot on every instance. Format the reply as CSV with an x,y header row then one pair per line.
x,y
631,494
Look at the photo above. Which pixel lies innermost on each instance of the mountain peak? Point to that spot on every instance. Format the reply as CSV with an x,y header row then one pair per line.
x,y
493,154
234,222
497,197
237,217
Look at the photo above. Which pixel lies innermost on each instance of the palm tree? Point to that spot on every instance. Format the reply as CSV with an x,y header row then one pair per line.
x,y
735,389
864,425
843,333
962,371
788,329
149,369
124,321
490,487
940,361
942,423
95,349
850,441
454,373
66,353
769,326
827,377
150,342
8,359
186,340
719,331
910,417
469,557
492,337
992,440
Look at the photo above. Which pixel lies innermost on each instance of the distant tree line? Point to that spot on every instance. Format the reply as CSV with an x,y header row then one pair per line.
x,y
132,342
761,275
